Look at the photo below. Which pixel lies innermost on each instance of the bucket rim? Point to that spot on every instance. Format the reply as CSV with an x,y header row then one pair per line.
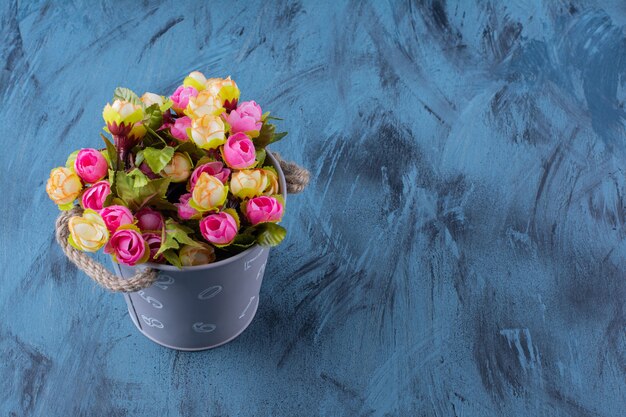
x,y
172,268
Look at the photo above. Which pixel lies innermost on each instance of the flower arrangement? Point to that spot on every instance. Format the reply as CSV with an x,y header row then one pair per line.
x,y
183,181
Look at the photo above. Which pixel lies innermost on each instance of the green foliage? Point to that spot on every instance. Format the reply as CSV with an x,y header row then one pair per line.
x,y
260,156
156,159
153,117
172,257
268,135
270,234
175,235
112,152
126,94
136,194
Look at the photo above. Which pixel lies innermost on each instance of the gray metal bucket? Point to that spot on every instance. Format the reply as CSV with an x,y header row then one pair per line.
x,y
200,307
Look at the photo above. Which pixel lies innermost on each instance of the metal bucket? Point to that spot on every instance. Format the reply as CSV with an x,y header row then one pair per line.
x,y
200,307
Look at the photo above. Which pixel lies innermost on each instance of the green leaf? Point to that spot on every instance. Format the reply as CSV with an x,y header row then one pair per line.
x,y
157,159
244,240
153,117
176,235
172,257
265,135
278,136
138,177
112,152
135,195
126,94
69,164
268,135
192,149
260,157
273,118
270,234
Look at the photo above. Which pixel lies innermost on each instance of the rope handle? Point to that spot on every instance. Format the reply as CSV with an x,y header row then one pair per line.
x,y
297,179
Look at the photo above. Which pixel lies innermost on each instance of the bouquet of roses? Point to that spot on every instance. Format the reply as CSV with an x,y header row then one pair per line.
x,y
183,181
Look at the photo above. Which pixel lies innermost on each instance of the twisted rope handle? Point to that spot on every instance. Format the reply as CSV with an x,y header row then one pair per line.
x,y
142,279
297,179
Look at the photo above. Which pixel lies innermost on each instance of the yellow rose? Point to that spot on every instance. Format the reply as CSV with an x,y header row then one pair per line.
x,y
196,80
208,132
248,183
272,182
192,255
63,186
223,88
88,233
179,168
203,104
125,113
208,194
149,99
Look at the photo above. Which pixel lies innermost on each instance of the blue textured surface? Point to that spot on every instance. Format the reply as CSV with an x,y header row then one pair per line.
x,y
460,251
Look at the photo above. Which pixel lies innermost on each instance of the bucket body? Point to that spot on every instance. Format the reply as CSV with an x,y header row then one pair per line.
x,y
198,308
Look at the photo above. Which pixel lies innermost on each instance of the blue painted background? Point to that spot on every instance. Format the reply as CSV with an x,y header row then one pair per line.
x,y
459,252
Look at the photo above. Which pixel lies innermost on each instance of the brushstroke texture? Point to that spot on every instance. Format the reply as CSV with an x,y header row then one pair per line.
x,y
460,250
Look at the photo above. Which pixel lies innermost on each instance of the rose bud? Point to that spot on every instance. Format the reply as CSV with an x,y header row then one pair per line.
x,y
272,181
87,232
185,211
180,98
123,118
145,168
94,196
196,255
202,104
154,244
148,99
219,229
246,118
263,209
179,128
248,183
91,165
179,168
149,220
196,80
208,132
238,152
209,193
226,90
215,168
63,186
127,246
116,216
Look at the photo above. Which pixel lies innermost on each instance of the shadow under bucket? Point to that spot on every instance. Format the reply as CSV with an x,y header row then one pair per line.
x,y
200,307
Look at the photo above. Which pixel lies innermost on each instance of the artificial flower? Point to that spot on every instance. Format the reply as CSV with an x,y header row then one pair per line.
x,y
87,232
63,186
196,255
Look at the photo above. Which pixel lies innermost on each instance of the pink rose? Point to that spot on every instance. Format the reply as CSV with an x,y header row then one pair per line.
x,y
94,196
238,151
179,128
128,247
181,98
90,165
116,216
263,209
219,228
185,211
246,118
154,243
149,219
216,169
